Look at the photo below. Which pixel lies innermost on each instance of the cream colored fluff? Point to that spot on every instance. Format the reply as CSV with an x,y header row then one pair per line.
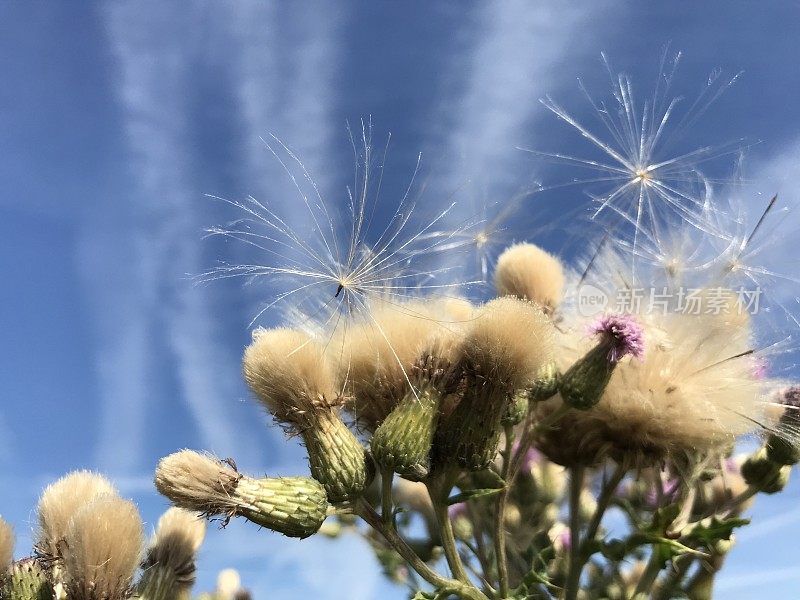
x,y
197,482
61,500
103,547
690,392
376,359
6,545
528,272
508,342
289,373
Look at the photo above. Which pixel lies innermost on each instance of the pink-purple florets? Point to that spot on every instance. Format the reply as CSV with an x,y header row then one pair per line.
x,y
623,333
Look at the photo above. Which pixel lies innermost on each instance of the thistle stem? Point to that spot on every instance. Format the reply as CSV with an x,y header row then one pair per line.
x,y
575,563
465,591
499,518
603,501
673,578
387,510
650,574
439,489
529,434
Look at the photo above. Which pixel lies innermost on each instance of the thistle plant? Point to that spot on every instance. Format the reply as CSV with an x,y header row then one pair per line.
x,y
521,446
511,444
90,545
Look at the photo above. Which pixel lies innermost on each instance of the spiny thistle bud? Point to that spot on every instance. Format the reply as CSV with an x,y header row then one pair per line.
x,y
782,445
60,501
6,545
293,506
529,273
337,459
546,383
169,567
763,474
403,441
288,372
583,384
517,409
26,580
503,348
102,549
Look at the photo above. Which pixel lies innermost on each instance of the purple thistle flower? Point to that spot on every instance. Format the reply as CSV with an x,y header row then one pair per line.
x,y
623,333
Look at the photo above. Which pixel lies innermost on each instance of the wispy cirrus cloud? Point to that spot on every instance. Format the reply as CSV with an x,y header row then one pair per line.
x,y
163,335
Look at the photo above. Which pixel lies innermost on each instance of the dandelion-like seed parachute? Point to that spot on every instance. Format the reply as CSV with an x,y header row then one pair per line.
x,y
643,180
327,271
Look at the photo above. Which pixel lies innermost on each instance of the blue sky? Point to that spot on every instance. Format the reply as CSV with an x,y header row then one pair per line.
x,y
116,120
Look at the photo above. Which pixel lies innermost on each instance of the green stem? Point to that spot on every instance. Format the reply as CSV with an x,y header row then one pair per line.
x,y
465,591
480,544
530,433
650,574
439,489
573,583
672,580
387,512
603,502
499,518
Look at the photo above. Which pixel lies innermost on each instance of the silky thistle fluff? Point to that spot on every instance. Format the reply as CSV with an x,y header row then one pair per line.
x,y
289,374
508,343
103,547
694,390
61,500
377,358
528,272
169,567
197,482
6,545
229,583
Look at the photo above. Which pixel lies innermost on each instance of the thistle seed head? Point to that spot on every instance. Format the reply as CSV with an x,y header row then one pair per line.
x,y
102,549
293,506
169,567
6,545
529,273
289,374
508,342
60,501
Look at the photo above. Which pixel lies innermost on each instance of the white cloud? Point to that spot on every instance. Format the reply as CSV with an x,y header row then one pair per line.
x,y
161,310
518,58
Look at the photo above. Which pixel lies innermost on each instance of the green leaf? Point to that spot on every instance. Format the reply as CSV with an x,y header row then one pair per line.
x,y
711,530
470,494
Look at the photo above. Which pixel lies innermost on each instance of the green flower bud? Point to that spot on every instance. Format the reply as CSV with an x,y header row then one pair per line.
x,y
473,429
336,458
27,580
546,383
293,506
763,474
403,441
583,384
517,410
